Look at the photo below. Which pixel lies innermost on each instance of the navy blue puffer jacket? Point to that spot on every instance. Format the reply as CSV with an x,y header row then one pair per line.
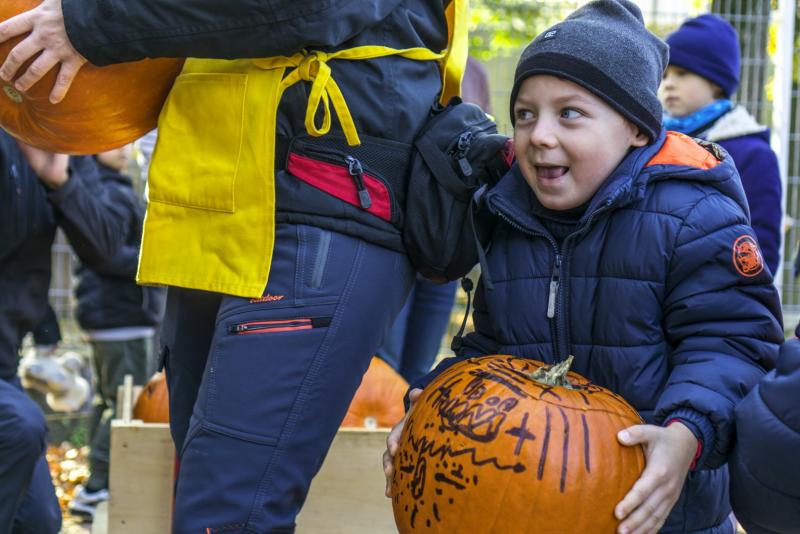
x,y
765,465
660,294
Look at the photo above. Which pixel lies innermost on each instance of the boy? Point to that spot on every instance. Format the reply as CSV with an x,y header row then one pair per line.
x,y
630,249
702,76
119,318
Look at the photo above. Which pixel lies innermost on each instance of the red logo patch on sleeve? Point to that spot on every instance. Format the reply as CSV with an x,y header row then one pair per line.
x,y
747,256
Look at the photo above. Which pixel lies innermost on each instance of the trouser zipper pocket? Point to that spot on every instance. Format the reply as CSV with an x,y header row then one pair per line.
x,y
278,325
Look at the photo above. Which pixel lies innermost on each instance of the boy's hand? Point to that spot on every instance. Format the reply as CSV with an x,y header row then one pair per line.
x,y
48,35
51,168
669,453
393,441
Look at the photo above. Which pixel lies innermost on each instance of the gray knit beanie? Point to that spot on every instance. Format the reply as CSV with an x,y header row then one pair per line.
x,y
605,48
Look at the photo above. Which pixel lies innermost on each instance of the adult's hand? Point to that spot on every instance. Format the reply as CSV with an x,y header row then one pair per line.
x,y
48,38
393,441
51,168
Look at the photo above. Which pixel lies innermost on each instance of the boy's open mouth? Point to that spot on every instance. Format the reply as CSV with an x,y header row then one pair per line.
x,y
550,172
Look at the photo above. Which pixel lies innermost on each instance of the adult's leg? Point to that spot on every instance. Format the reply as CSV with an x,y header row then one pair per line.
x,y
280,376
185,340
26,492
391,351
427,323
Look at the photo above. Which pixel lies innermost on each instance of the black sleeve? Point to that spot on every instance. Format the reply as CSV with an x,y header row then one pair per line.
x,y
94,223
115,31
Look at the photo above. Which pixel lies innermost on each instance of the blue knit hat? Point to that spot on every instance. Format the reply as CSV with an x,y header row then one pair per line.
x,y
708,46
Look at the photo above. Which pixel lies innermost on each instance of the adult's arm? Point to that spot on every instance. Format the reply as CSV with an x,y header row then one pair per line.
x,y
67,33
95,224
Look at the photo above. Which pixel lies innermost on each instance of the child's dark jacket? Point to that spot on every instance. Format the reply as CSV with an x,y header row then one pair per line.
x,y
765,465
662,297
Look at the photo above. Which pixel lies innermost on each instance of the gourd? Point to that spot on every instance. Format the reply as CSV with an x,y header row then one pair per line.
x,y
378,402
106,107
505,444
152,406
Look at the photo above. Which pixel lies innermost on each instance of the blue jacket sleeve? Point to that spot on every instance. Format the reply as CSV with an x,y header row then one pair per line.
x,y
114,31
761,179
94,224
723,326
765,465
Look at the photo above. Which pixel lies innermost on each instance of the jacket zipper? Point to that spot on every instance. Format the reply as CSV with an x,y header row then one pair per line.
x,y
558,285
552,301
354,167
280,325
461,149
563,348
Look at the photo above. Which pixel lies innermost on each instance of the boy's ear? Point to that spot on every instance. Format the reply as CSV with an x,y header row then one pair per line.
x,y
640,139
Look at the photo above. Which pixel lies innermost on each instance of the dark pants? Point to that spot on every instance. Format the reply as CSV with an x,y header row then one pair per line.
x,y
28,503
258,387
112,361
416,336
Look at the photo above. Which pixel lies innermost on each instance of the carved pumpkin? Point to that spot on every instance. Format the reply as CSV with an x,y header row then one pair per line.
x,y
152,406
378,402
105,108
489,448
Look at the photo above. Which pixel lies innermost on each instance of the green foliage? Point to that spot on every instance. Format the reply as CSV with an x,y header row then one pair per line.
x,y
502,27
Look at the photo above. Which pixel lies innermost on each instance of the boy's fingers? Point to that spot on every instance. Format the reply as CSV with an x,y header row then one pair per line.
x,y
635,435
388,471
648,517
640,491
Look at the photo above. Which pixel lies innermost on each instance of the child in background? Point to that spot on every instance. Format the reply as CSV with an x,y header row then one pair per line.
x,y
629,248
701,78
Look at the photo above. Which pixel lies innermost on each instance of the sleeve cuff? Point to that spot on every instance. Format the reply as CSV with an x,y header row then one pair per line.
x,y
702,429
58,196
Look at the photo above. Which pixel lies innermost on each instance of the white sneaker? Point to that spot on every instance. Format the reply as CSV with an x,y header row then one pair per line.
x,y
85,502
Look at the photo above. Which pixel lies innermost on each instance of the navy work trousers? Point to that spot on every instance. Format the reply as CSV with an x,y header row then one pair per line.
x,y
28,503
259,387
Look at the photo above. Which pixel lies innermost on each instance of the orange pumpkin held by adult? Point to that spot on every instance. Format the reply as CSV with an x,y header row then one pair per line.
x,y
106,107
501,444
152,406
378,402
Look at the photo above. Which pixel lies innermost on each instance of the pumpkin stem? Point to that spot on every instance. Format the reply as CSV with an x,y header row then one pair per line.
x,y
554,375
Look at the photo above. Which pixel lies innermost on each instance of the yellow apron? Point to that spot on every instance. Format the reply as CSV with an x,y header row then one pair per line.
x,y
210,221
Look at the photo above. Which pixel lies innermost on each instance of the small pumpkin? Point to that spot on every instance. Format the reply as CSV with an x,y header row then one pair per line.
x,y
106,107
504,444
378,402
152,406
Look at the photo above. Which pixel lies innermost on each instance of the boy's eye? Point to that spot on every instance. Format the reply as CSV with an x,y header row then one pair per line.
x,y
570,113
523,114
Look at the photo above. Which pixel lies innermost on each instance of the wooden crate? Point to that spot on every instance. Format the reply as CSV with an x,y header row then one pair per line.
x,y
140,478
346,496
